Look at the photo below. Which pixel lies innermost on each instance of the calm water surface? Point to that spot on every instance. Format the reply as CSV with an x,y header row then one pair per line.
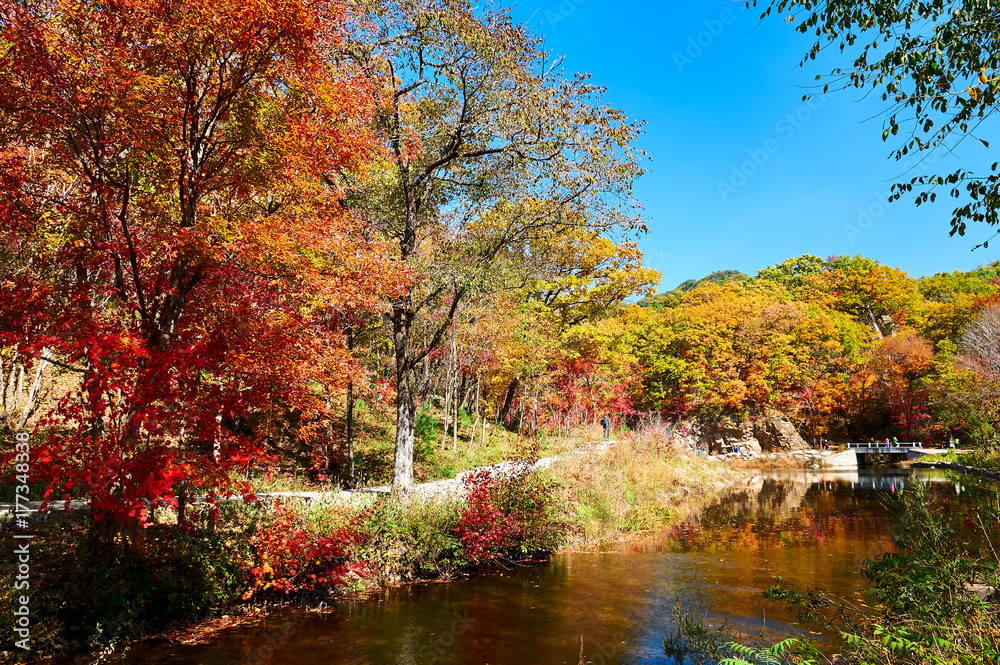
x,y
810,528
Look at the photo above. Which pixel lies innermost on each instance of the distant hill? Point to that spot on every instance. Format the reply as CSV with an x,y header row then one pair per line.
x,y
717,277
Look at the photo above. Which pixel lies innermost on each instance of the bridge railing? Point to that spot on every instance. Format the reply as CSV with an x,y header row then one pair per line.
x,y
887,446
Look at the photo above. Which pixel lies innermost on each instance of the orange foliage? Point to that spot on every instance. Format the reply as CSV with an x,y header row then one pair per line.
x,y
168,188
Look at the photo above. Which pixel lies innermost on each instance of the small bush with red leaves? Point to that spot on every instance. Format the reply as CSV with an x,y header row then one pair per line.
x,y
289,557
509,516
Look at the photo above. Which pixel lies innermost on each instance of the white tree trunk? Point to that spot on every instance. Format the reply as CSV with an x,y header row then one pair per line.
x,y
29,402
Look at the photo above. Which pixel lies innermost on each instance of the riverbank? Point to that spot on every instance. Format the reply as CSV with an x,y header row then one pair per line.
x,y
604,496
791,459
993,474
637,486
811,528
245,559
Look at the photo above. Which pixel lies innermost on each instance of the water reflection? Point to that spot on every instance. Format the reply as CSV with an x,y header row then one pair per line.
x,y
795,508
810,528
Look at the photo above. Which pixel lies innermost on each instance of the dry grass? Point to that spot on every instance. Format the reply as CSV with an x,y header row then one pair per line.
x,y
638,484
782,462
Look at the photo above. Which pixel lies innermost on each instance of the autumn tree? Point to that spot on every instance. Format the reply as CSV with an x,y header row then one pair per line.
x,y
979,344
807,278
490,146
880,296
951,301
597,368
582,275
581,280
904,363
168,198
835,344
965,404
738,348
936,66
552,349
968,383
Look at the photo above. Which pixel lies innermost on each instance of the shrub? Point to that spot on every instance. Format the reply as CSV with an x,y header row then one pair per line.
x,y
509,516
413,540
288,557
927,575
96,598
425,433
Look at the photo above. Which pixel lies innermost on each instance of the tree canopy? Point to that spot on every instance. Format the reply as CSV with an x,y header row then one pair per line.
x,y
171,232
491,149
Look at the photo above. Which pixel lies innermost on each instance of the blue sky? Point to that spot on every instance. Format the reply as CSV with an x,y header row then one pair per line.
x,y
732,102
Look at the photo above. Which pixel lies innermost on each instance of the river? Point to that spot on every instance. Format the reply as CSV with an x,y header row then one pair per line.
x,y
810,528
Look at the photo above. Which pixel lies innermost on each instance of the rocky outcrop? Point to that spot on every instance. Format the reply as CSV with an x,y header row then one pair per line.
x,y
982,591
775,432
726,434
769,432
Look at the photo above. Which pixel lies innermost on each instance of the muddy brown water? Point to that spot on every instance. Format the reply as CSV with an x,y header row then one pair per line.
x,y
810,528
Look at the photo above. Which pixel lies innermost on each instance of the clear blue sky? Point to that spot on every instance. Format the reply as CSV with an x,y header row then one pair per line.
x,y
729,99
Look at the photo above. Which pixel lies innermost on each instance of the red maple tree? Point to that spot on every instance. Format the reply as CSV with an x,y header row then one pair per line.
x,y
174,233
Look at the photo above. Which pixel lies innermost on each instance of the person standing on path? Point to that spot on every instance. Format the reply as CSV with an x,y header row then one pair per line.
x,y
606,424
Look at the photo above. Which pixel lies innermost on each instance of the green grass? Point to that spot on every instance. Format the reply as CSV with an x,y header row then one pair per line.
x,y
981,459
437,457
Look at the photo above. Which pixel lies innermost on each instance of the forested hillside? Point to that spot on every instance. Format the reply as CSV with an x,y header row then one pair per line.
x,y
670,297
849,348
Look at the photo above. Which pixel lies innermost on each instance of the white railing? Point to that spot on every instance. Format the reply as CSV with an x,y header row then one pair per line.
x,y
876,446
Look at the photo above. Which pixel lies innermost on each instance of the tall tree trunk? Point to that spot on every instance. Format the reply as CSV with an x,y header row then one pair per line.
x,y
402,322
454,428
103,528
20,383
7,389
455,390
350,414
182,506
402,317
182,485
33,393
875,325
331,457
350,433
464,392
402,472
447,403
472,435
508,400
